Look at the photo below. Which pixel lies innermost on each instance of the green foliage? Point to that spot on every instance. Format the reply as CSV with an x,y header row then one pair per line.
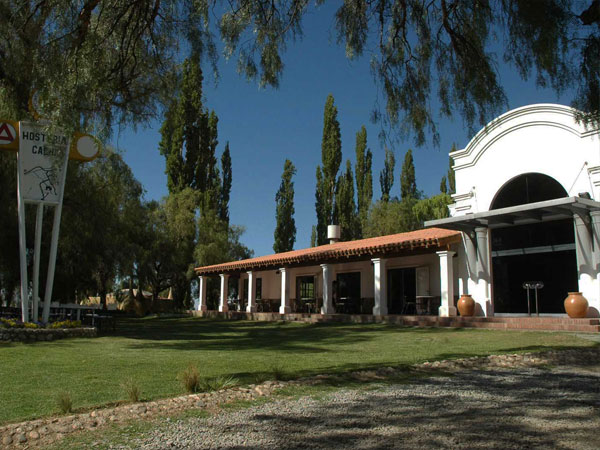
x,y
390,218
132,390
189,141
417,44
65,324
331,158
313,236
218,383
408,181
64,402
278,372
190,379
407,215
386,176
100,63
364,178
166,256
285,229
443,185
451,177
346,208
226,184
218,242
432,208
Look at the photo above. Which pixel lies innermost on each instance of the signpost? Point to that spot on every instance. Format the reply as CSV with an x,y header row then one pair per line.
x,y
41,172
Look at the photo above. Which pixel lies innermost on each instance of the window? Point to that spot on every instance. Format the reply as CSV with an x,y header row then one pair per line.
x,y
258,289
306,287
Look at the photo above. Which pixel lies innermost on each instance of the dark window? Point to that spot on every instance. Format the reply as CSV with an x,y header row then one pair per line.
x,y
348,285
258,289
306,287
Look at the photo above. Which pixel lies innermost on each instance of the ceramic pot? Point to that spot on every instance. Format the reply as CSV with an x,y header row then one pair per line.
x,y
466,305
576,305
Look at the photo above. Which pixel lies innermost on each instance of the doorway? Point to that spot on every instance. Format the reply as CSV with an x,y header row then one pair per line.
x,y
402,290
542,251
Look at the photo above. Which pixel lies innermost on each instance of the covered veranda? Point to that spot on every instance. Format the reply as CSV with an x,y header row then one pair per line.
x,y
406,273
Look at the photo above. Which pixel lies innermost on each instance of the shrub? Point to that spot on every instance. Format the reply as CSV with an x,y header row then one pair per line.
x,y
132,390
11,323
190,379
64,402
222,382
278,372
30,325
66,324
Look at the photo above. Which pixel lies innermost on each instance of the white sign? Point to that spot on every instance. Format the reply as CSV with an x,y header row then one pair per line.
x,y
42,162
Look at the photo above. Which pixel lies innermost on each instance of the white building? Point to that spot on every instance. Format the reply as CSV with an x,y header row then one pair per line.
x,y
525,210
527,191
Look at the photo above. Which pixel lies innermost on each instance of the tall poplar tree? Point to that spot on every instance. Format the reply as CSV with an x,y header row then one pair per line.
x,y
285,230
451,178
408,182
386,176
364,178
345,205
189,138
331,157
226,180
443,185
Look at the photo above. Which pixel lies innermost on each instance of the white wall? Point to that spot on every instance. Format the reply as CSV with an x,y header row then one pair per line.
x,y
540,138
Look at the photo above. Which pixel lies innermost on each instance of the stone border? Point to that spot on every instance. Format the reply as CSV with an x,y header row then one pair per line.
x,y
43,432
44,334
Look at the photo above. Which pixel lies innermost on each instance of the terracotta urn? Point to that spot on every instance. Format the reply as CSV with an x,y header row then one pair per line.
x,y
576,305
466,305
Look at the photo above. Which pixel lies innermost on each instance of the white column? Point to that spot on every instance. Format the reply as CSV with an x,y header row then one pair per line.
x,y
470,263
251,306
585,259
223,307
327,307
380,286
594,303
202,293
447,308
482,294
240,296
284,308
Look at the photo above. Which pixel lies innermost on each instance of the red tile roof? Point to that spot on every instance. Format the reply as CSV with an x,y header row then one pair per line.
x,y
393,243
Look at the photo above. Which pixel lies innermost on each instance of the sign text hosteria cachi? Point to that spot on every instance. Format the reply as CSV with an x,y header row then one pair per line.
x,y
42,162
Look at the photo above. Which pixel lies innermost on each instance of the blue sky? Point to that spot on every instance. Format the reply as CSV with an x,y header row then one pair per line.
x,y
266,126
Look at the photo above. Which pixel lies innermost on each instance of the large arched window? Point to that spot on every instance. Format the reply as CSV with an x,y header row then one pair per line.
x,y
528,188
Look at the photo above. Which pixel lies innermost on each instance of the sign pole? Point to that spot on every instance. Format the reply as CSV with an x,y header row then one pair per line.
x,y
39,218
54,243
22,247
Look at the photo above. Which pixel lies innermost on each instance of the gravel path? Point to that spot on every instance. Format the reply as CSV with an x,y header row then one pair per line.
x,y
523,408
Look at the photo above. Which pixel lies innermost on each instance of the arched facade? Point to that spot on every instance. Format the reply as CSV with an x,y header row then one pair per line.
x,y
528,183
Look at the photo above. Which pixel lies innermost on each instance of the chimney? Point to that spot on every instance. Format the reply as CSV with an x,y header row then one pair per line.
x,y
333,233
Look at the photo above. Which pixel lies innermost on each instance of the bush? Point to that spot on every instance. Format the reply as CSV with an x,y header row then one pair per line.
x,y
190,379
64,402
11,323
30,325
218,383
132,390
278,373
65,324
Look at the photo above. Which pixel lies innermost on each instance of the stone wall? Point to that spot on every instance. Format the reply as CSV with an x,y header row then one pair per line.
x,y
44,334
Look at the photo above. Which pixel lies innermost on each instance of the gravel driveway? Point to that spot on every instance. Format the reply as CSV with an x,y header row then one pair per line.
x,y
524,408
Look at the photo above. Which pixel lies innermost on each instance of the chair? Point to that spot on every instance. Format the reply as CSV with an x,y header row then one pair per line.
x,y
409,305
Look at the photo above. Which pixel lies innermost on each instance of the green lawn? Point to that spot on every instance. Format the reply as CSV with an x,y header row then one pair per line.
x,y
153,351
